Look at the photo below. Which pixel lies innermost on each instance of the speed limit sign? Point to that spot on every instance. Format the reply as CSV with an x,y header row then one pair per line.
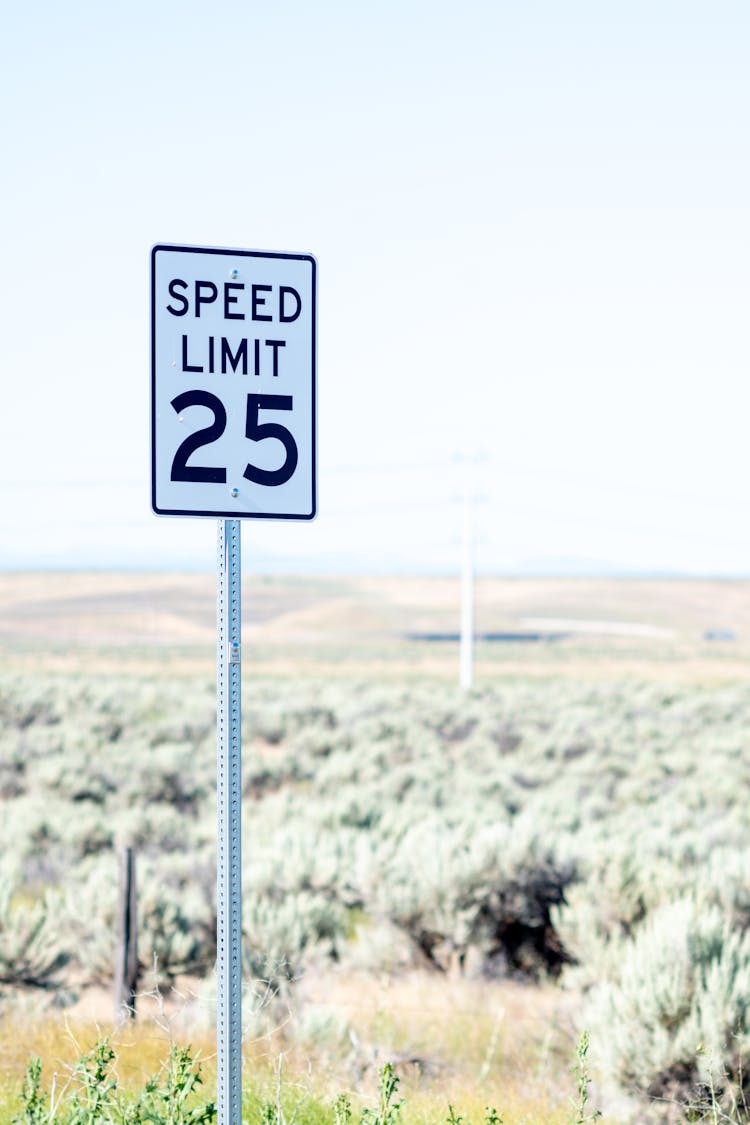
x,y
233,383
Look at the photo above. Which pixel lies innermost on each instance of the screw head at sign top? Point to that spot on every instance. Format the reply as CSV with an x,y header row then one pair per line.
x,y
234,274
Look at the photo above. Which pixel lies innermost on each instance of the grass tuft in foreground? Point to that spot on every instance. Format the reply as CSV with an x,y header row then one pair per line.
x,y
93,1095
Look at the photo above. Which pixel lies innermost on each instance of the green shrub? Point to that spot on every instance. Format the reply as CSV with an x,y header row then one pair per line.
x,y
32,950
674,1018
94,1096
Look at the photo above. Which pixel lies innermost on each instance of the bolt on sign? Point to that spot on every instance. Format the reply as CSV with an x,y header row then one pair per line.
x,y
233,357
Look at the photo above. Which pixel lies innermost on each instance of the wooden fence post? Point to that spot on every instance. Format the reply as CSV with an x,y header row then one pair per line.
x,y
126,956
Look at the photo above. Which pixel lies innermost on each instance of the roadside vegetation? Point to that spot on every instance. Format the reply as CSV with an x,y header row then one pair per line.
x,y
92,1092
588,838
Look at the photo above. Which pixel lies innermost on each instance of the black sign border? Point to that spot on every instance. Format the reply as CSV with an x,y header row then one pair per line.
x,y
233,514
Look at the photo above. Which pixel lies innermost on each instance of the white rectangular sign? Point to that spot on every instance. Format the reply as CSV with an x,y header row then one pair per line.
x,y
233,383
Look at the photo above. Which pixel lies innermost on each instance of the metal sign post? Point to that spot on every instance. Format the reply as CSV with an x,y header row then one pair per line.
x,y
229,830
233,437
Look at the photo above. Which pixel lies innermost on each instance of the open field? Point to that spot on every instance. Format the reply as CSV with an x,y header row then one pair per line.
x,y
461,883
357,626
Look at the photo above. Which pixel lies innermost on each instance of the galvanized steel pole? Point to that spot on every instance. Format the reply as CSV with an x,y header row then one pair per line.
x,y
229,811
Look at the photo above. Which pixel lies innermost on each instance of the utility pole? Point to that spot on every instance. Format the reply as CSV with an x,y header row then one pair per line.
x,y
466,649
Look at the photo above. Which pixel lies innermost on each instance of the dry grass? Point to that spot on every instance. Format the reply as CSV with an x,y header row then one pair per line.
x,y
465,1043
456,1040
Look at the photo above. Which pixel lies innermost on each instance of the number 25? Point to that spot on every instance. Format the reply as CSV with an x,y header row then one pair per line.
x,y
254,430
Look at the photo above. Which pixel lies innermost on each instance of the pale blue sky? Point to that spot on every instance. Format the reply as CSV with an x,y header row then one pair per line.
x,y
531,222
